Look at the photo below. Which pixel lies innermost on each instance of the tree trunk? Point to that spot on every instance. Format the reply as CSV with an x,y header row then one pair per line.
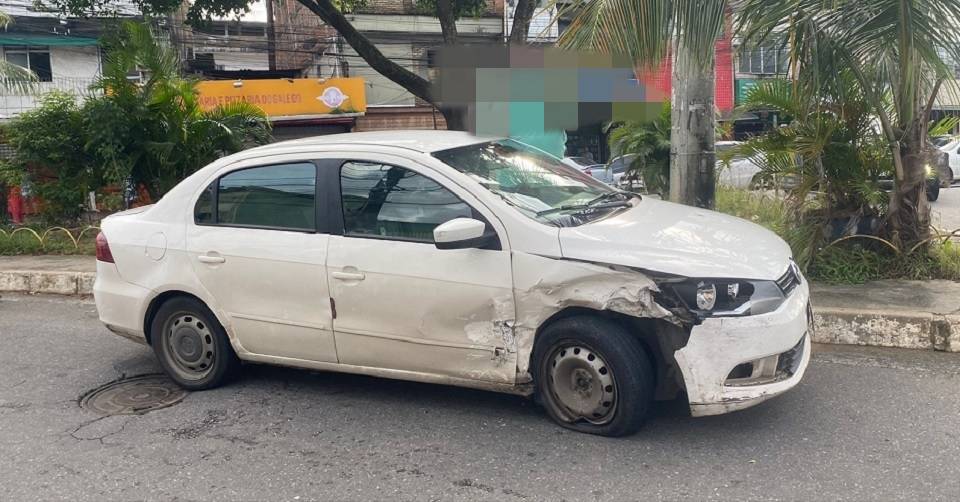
x,y
909,209
521,21
448,21
455,116
692,156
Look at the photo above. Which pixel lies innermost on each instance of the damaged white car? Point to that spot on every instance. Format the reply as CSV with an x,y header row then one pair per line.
x,y
442,257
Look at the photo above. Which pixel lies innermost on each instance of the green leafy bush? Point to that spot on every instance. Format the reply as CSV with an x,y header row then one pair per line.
x,y
650,142
852,260
49,143
153,132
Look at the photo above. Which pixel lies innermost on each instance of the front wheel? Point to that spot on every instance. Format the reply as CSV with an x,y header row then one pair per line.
x,y
593,376
192,346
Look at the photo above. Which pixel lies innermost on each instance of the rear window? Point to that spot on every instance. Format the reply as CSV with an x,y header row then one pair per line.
x,y
281,196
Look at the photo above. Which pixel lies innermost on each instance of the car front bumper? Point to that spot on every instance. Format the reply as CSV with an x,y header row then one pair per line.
x,y
771,352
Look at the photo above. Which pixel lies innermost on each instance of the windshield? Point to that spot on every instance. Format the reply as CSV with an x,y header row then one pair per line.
x,y
537,184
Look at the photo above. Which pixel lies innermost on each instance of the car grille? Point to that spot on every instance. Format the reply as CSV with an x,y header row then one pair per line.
x,y
789,280
790,360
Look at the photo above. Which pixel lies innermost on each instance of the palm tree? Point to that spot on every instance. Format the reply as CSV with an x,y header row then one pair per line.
x,y
647,31
154,130
897,53
12,76
650,143
828,144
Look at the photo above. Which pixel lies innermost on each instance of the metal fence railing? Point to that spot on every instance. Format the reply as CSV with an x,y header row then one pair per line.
x,y
13,102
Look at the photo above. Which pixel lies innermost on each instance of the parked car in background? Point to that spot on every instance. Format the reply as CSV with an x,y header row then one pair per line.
x,y
740,172
612,172
440,257
951,146
581,163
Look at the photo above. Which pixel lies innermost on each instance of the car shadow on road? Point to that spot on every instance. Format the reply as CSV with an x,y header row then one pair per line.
x,y
669,420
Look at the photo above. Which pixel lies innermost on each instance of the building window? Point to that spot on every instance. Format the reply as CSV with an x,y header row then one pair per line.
x,y
35,59
766,60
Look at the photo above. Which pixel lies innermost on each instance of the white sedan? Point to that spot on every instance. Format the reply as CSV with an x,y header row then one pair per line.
x,y
951,146
446,258
739,172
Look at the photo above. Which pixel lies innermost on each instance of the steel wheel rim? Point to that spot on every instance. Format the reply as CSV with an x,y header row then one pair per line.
x,y
582,385
188,345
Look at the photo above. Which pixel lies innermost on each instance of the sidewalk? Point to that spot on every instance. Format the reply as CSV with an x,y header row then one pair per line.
x,y
905,314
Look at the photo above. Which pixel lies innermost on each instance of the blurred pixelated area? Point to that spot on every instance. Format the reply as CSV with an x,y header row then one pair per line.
x,y
524,91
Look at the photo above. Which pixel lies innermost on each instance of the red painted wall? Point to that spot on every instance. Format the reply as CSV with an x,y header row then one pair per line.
x,y
658,79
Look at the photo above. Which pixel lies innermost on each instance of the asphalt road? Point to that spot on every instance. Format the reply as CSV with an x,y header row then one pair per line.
x,y
945,211
866,424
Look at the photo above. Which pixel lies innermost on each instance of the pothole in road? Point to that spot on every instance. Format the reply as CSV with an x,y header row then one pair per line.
x,y
133,396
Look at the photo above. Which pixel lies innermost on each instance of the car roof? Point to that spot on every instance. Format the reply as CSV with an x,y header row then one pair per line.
x,y
425,141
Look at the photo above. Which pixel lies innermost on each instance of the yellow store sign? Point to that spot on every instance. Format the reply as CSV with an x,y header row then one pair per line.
x,y
289,98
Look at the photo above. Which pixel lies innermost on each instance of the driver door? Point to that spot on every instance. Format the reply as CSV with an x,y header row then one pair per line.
x,y
401,303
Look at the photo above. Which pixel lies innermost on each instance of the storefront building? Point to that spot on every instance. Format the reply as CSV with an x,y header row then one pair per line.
x,y
296,107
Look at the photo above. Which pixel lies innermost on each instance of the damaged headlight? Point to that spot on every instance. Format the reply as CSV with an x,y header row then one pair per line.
x,y
727,297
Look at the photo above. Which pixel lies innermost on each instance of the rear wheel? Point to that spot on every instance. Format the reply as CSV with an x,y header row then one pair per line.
x,y
592,376
192,347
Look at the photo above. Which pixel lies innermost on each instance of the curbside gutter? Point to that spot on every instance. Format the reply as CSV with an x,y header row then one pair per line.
x,y
49,282
848,325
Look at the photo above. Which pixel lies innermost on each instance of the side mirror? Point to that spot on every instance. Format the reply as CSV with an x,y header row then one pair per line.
x,y
461,233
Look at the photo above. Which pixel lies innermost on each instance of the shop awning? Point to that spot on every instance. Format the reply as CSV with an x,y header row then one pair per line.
x,y
49,40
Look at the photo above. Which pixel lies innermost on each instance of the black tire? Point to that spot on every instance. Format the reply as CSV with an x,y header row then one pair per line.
x,y
933,189
204,358
626,364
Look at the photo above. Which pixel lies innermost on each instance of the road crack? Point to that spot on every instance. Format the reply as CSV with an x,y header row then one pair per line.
x,y
78,431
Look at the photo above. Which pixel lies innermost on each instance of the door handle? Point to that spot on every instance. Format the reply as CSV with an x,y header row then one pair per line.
x,y
348,276
204,258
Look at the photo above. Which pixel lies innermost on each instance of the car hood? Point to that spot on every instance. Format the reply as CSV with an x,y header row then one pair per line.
x,y
673,239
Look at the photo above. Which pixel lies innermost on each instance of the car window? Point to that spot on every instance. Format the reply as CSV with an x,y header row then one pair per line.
x,y
583,161
392,202
203,210
620,164
279,196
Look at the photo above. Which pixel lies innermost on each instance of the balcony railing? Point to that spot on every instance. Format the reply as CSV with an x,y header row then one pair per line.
x,y
13,102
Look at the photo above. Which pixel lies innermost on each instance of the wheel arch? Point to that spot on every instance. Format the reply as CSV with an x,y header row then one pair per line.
x,y
158,300
657,337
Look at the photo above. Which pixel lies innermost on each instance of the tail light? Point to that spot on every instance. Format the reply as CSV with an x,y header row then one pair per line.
x,y
103,249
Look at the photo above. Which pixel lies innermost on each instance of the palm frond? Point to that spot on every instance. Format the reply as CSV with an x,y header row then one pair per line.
x,y
644,29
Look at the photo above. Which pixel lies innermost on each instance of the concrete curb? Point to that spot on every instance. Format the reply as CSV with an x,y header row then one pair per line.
x,y
834,325
887,328
57,283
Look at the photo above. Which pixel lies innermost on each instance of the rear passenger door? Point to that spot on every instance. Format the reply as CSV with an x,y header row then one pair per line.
x,y
258,244
403,304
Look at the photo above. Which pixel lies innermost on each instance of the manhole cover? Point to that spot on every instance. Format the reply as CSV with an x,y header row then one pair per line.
x,y
133,396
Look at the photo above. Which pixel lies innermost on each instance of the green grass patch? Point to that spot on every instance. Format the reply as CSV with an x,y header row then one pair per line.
x,y
36,240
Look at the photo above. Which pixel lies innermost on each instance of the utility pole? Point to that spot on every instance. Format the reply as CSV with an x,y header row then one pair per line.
x,y
271,38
